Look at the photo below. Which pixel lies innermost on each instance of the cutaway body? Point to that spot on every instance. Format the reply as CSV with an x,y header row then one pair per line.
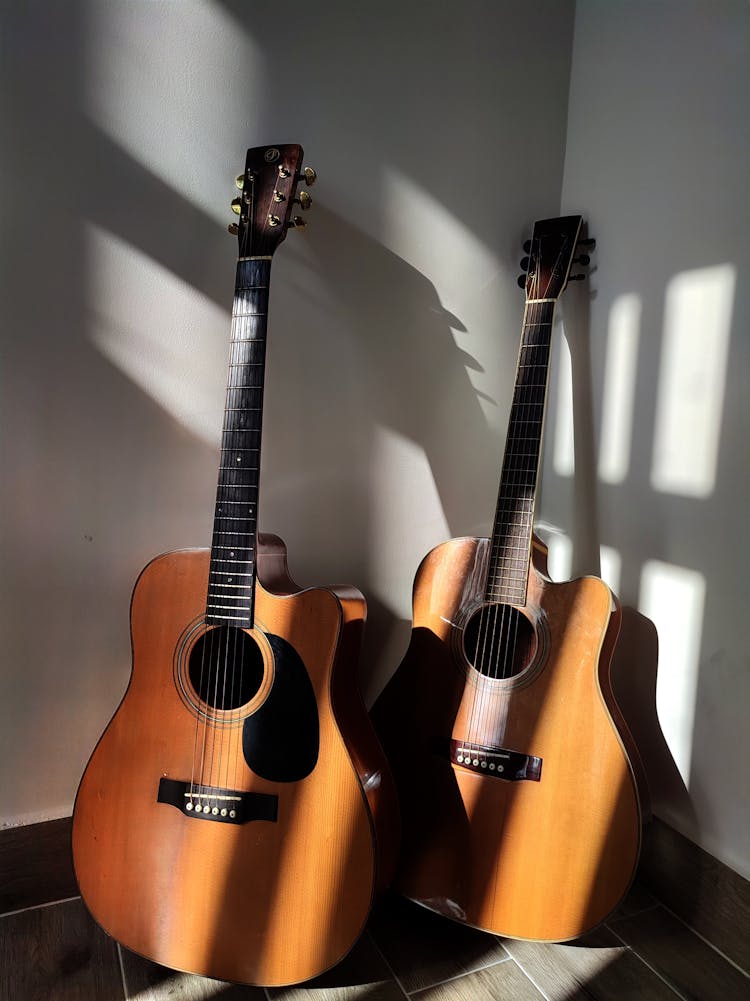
x,y
265,878
520,812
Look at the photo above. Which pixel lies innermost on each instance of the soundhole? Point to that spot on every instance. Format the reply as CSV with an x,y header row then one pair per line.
x,y
226,667
499,641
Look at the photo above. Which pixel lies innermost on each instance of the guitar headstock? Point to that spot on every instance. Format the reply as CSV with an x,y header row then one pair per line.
x,y
268,196
551,252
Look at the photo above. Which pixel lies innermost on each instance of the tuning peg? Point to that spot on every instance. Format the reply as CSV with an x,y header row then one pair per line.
x,y
303,200
297,223
576,278
308,175
233,228
527,246
521,280
525,263
590,242
240,181
583,259
237,206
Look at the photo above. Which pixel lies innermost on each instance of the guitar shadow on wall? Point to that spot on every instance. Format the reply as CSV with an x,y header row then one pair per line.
x,y
400,435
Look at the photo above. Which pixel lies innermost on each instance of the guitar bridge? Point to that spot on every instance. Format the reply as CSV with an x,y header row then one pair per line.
x,y
226,806
496,761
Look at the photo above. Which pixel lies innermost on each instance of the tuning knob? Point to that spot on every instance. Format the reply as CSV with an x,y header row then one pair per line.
x,y
237,206
527,246
240,181
583,259
525,263
576,278
309,176
297,223
233,228
590,242
303,200
521,281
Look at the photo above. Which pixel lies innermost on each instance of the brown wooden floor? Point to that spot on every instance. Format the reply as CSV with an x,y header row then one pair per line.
x,y
56,953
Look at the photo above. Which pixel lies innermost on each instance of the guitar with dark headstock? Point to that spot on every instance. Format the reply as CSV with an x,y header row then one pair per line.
x,y
519,804
233,820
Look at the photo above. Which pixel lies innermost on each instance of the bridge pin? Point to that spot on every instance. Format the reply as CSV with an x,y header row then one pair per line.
x,y
215,811
484,764
475,762
198,808
189,806
224,811
232,813
460,758
492,766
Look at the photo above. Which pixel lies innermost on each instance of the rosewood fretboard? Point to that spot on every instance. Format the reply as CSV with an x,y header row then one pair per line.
x,y
510,550
233,548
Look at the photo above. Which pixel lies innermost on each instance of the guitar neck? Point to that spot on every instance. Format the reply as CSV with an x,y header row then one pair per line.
x,y
231,582
510,550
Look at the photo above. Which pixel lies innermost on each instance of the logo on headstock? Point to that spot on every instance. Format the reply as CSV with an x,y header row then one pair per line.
x,y
271,155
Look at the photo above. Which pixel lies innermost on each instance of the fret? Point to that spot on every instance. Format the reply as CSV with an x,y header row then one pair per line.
x,y
505,547
234,529
510,549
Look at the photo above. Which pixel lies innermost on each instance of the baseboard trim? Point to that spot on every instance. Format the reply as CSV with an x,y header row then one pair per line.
x,y
36,866
703,892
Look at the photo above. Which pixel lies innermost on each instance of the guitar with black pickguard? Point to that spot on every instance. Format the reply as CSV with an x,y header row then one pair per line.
x,y
236,818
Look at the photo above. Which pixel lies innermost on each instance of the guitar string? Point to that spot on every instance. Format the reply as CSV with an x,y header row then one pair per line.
x,y
252,510
503,643
532,321
487,663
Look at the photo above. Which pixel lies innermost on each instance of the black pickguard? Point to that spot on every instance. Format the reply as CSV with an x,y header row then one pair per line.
x,y
280,740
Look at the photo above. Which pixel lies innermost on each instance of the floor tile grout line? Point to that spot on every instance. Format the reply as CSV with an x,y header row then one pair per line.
x,y
703,938
34,907
125,993
388,965
459,976
633,914
529,977
645,962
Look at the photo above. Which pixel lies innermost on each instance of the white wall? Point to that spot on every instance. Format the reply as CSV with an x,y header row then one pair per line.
x,y
438,133
658,157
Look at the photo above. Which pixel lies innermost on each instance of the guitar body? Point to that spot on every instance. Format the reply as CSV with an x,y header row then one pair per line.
x,y
544,857
274,899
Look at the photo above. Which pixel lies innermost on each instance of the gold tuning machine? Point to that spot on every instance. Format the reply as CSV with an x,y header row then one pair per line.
x,y
240,181
233,228
309,176
303,200
237,206
297,223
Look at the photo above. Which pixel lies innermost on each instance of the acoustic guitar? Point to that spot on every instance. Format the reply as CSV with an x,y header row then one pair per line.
x,y
520,809
236,818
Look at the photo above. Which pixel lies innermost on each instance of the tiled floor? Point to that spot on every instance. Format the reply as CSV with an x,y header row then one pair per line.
x,y
644,953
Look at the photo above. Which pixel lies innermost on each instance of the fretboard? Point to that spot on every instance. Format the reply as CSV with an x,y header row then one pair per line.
x,y
231,582
510,549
